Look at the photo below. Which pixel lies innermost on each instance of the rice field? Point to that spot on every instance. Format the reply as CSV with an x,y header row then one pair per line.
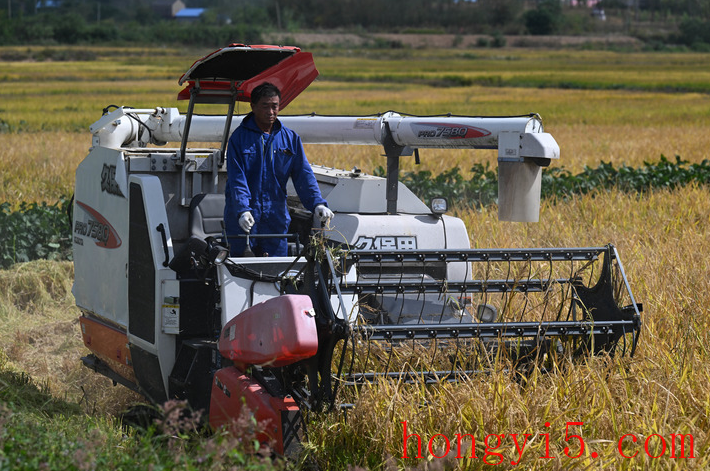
x,y
50,105
659,105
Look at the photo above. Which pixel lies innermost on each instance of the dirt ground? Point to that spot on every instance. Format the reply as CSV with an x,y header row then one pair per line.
x,y
305,40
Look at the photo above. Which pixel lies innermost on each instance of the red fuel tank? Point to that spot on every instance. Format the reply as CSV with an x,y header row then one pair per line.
x,y
275,333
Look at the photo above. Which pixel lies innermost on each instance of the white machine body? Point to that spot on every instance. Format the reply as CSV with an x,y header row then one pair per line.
x,y
138,206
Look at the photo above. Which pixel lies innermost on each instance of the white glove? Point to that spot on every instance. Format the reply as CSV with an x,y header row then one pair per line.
x,y
246,221
323,213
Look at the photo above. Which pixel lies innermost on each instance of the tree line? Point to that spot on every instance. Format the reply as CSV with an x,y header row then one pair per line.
x,y
686,22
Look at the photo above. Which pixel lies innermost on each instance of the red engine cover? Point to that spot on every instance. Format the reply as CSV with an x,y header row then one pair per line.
x,y
277,332
279,418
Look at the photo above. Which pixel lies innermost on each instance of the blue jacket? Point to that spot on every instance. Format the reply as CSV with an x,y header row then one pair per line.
x,y
258,168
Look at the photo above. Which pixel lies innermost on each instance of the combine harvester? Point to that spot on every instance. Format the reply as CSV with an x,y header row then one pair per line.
x,y
390,289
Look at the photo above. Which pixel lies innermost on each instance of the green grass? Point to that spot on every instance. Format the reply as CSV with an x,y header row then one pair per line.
x,y
39,431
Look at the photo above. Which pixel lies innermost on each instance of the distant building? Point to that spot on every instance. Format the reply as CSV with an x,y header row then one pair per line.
x,y
583,3
167,8
47,4
188,15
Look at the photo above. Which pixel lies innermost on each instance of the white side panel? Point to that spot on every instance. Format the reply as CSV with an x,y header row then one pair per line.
x,y
369,195
100,235
238,294
398,232
154,206
395,233
457,238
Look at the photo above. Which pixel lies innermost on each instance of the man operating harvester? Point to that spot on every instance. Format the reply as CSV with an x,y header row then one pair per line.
x,y
261,156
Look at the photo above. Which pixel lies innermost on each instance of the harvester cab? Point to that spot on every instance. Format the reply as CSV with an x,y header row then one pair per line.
x,y
391,289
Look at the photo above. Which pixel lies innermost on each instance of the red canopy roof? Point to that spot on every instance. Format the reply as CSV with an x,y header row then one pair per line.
x,y
246,67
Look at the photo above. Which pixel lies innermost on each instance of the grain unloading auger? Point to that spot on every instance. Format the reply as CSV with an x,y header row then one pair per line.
x,y
390,289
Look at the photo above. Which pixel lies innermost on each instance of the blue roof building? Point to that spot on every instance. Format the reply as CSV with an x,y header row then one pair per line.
x,y
189,14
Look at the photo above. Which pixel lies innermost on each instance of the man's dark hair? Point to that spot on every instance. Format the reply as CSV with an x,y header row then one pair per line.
x,y
266,89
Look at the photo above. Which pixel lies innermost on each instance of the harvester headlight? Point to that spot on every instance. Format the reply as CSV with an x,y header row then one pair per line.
x,y
217,253
486,313
439,205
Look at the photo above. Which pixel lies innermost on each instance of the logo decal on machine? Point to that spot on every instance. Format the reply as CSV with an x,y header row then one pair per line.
x,y
386,243
448,131
108,180
96,227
